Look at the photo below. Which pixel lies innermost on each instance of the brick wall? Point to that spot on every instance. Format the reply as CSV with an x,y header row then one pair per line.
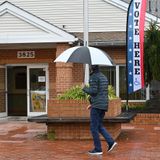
x,y
78,73
77,108
118,54
9,56
64,75
79,130
147,118
52,80
2,90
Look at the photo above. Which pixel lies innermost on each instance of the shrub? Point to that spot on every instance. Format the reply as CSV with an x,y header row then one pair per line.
x,y
111,92
77,93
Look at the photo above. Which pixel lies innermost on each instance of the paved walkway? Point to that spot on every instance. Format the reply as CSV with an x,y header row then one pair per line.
x,y
20,140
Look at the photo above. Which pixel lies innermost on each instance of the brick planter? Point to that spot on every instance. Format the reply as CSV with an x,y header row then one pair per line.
x,y
76,108
73,109
67,108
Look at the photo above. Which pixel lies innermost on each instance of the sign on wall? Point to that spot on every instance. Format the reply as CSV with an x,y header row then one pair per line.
x,y
25,54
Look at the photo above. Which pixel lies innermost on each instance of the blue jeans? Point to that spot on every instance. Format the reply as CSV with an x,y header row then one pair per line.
x,y
96,127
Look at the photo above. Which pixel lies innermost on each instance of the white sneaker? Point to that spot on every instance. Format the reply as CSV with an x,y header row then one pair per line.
x,y
93,152
110,148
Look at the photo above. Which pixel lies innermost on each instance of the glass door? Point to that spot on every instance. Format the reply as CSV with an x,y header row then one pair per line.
x,y
37,90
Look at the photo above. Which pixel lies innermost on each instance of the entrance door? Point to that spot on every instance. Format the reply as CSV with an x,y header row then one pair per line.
x,y
17,90
37,90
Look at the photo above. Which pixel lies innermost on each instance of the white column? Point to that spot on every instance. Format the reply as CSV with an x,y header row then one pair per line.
x,y
85,36
117,80
147,92
85,22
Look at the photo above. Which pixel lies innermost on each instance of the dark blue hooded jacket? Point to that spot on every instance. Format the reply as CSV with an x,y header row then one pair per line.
x,y
98,90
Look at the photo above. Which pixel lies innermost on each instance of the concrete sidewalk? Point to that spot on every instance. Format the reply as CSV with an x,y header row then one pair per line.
x,y
21,140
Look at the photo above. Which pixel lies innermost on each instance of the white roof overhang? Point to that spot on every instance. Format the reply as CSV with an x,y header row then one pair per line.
x,y
28,28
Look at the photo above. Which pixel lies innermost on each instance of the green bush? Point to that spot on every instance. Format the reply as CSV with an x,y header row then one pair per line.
x,y
134,108
77,93
111,92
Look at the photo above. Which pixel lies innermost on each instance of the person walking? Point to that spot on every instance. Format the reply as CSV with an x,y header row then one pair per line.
x,y
98,91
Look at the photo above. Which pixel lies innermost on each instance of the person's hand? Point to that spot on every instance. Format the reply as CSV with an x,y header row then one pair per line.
x,y
89,107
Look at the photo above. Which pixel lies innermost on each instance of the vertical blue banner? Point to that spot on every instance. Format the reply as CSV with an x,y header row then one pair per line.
x,y
135,45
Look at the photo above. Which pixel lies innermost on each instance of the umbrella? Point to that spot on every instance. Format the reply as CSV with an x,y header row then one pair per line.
x,y
85,55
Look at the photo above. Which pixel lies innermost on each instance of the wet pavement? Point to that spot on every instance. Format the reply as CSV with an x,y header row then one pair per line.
x,y
22,140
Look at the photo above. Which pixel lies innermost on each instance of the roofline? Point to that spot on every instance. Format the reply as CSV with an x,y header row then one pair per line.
x,y
118,3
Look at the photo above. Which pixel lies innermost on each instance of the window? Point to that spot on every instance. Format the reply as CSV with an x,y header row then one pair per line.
x,y
110,73
120,72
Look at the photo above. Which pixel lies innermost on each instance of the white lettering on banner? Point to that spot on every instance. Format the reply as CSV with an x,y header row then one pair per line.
x,y
136,57
25,54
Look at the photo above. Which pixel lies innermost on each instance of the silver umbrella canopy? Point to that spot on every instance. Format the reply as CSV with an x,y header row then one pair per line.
x,y
85,55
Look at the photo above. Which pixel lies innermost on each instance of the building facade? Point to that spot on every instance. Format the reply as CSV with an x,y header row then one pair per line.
x,y
34,32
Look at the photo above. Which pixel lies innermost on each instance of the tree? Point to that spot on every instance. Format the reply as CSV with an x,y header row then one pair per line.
x,y
152,53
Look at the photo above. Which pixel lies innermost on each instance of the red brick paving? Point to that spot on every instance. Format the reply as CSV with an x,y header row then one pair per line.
x,y
19,140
